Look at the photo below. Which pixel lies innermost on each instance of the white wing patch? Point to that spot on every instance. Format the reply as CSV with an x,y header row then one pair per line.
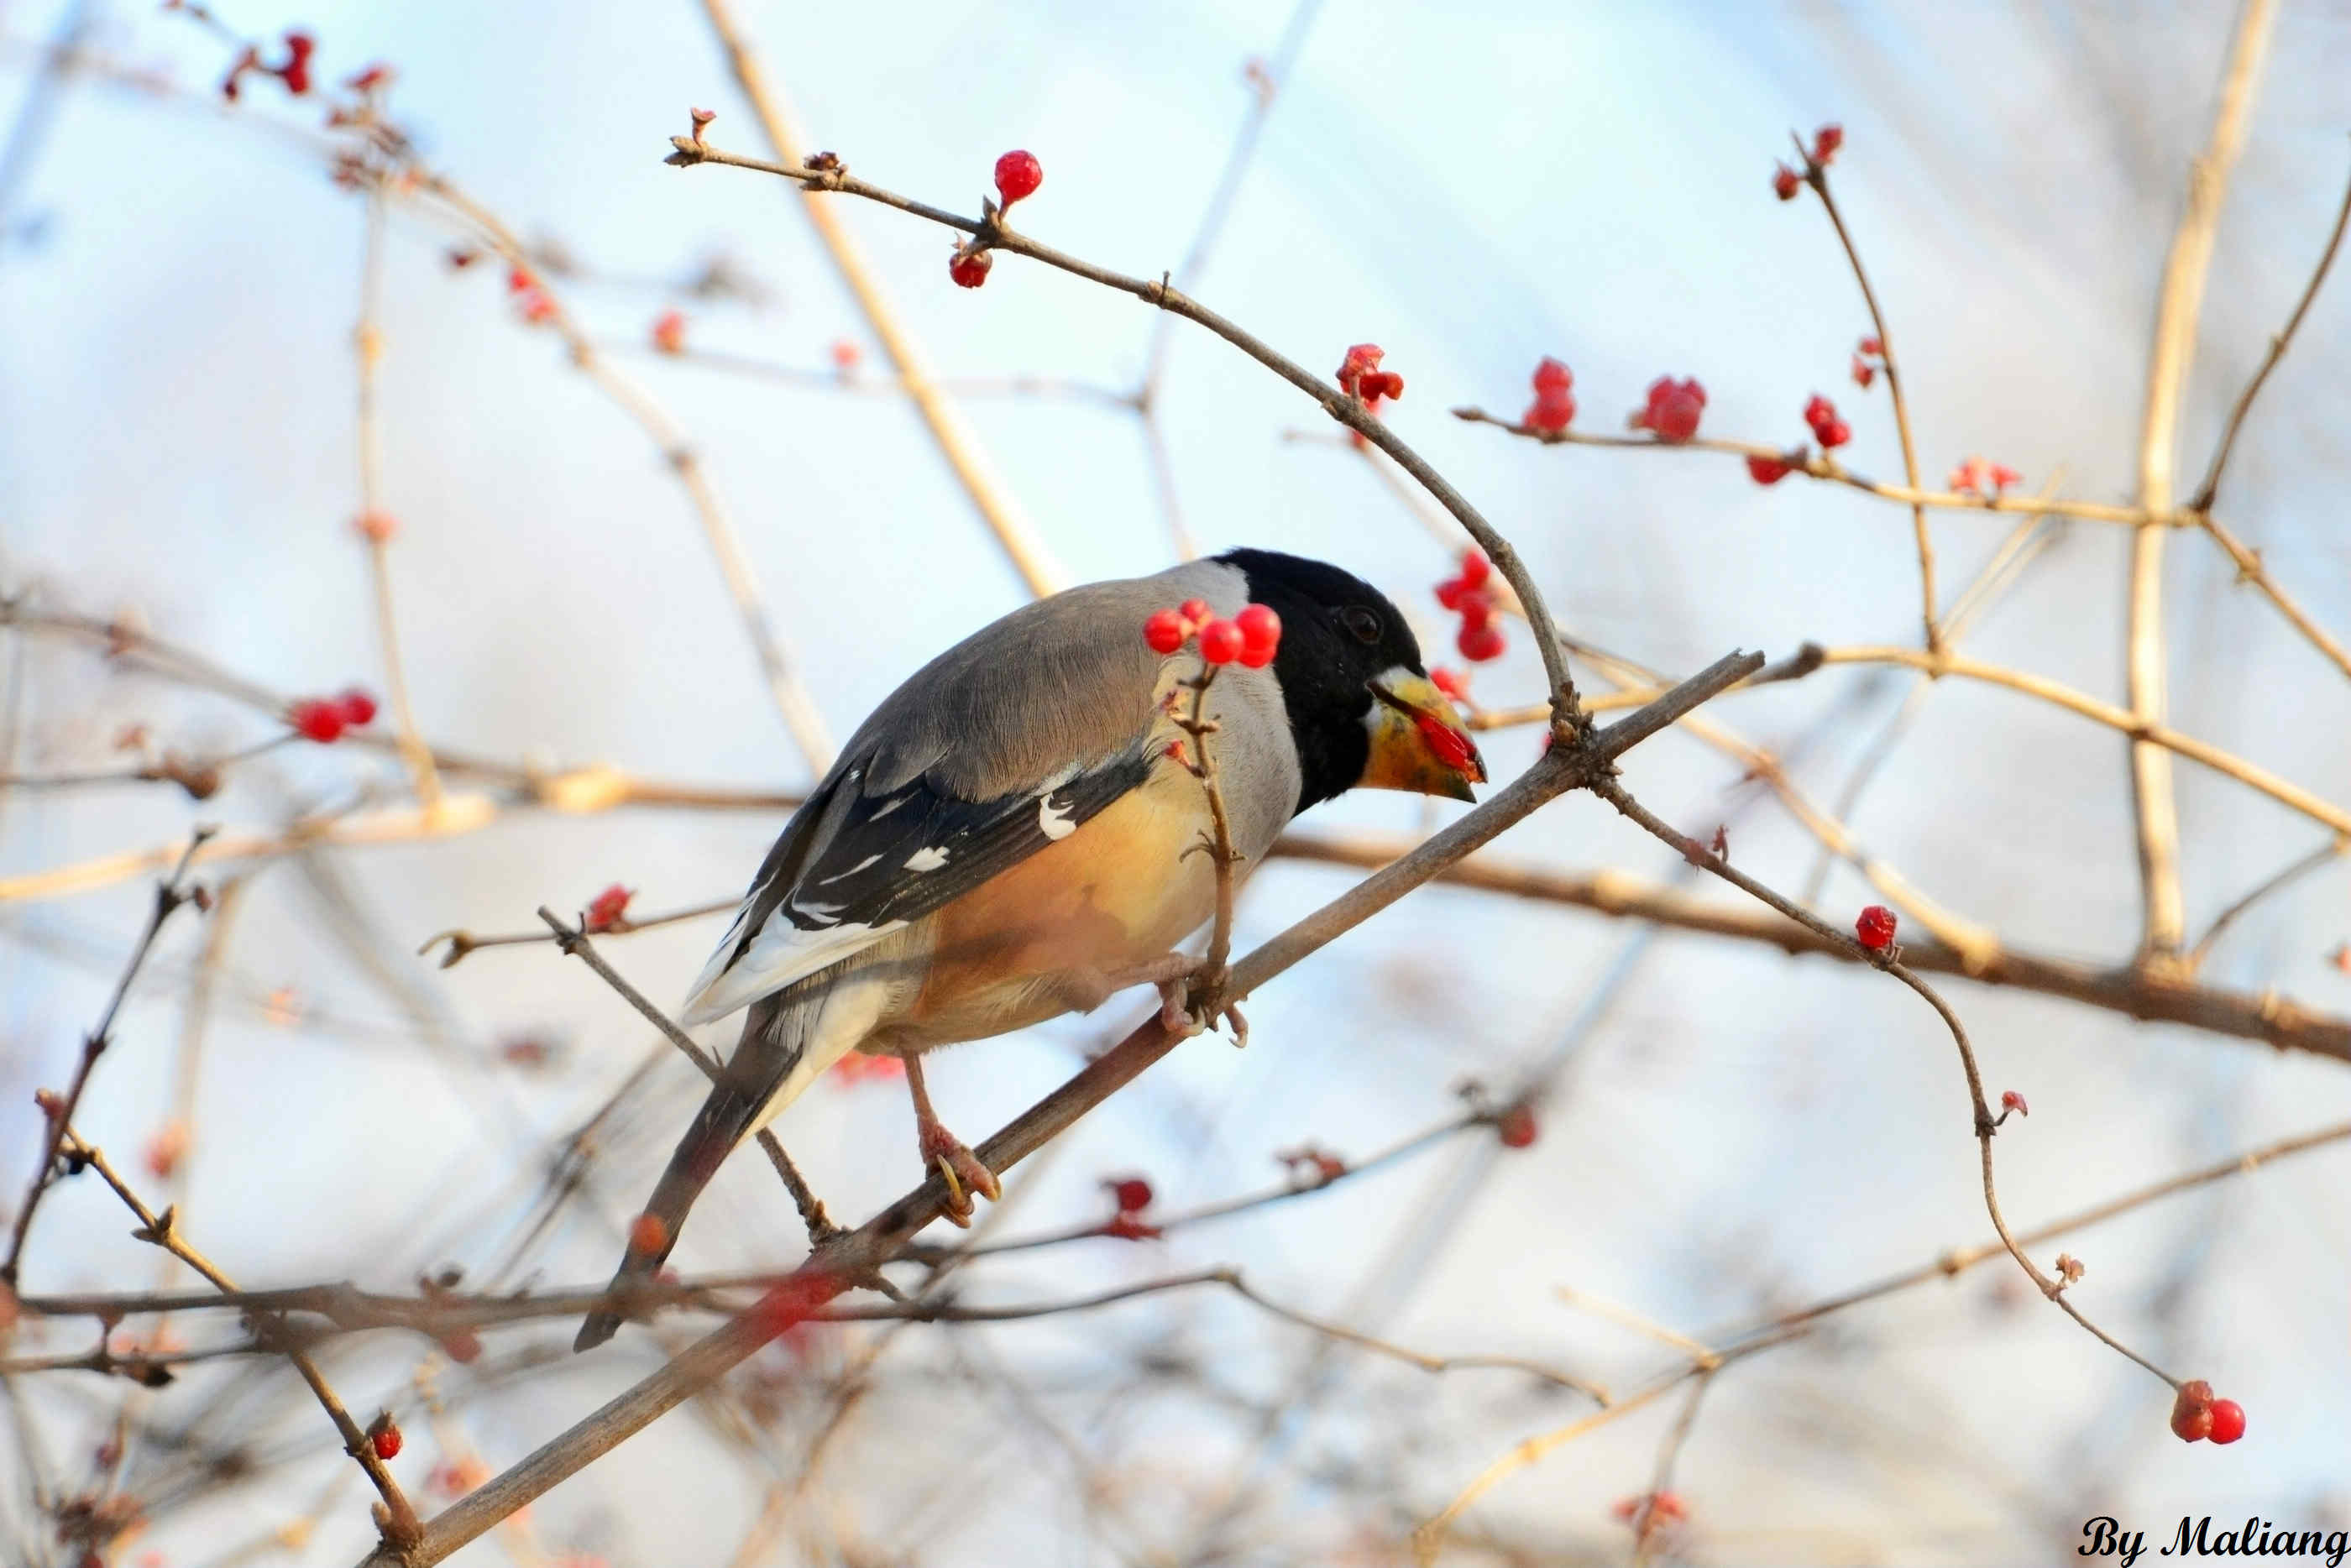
x,y
1053,821
925,859
853,870
781,954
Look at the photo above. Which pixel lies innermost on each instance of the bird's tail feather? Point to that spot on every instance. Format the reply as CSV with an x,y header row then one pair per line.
x,y
744,1090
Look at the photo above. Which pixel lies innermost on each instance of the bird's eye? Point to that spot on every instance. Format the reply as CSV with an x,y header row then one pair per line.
x,y
1361,622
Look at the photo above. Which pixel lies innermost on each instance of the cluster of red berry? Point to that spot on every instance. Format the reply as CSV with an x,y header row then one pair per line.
x,y
1868,359
1663,1508
1132,1195
1786,182
1465,594
1875,928
1553,408
537,306
1018,176
294,70
1672,411
1827,429
2196,1415
609,907
1977,477
1360,376
324,719
1250,638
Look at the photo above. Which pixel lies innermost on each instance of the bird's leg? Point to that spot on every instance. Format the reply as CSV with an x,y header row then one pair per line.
x,y
956,1163
1171,972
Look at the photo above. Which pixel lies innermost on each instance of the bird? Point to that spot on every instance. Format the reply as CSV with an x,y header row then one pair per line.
x,y
1008,837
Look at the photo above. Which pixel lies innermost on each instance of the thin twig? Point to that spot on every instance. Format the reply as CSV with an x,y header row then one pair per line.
x,y
1825,467
990,233
2210,489
2325,854
573,940
791,698
366,350
1816,175
398,1519
1890,961
2153,800
2265,1017
170,895
954,436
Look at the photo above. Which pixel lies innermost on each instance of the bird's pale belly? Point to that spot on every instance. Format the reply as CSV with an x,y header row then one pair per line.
x,y
1032,943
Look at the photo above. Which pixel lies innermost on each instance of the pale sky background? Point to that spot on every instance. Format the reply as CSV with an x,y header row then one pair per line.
x,y
1471,188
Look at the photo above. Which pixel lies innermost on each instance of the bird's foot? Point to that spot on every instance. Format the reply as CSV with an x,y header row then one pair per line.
x,y
963,1171
1199,1005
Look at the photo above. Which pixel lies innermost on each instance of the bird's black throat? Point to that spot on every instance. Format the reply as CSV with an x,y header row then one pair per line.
x,y
1325,663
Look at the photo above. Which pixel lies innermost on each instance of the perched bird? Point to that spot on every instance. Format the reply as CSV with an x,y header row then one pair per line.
x,y
1006,839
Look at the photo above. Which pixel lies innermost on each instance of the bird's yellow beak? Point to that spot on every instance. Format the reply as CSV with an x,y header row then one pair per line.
x,y
1417,741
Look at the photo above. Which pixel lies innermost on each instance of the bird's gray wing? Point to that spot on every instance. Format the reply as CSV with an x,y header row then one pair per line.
x,y
1003,743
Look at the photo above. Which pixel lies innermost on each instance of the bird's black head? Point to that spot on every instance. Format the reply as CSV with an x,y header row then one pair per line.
x,y
1362,708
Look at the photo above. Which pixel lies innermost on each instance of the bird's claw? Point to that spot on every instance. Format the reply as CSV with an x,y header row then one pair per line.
x,y
964,1172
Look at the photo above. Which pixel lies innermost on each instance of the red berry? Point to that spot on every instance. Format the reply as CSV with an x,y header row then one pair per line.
x,y
1220,643
1450,681
1834,433
1875,928
844,354
2003,476
1550,376
1818,411
2228,1420
1261,631
971,271
1826,142
518,280
2191,1412
1863,372
1018,176
461,1344
386,1438
1195,613
1785,182
2010,1100
607,908
1767,470
376,527
1480,642
1872,345
1673,410
536,307
1516,1127
1449,592
1476,609
1133,1193
1165,631
1363,359
358,708
1550,412
669,332
1475,568
648,1234
316,721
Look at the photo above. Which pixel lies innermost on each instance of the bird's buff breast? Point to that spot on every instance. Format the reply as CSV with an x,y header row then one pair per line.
x,y
1115,893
